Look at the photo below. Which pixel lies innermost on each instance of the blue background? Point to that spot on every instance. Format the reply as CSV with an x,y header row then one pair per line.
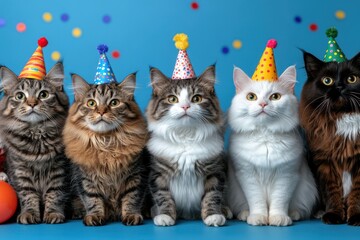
x,y
142,31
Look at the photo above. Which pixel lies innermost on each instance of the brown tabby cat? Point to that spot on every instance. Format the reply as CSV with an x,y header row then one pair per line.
x,y
104,136
330,115
32,116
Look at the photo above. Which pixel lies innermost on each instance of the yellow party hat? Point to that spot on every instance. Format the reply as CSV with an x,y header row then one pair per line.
x,y
266,68
35,67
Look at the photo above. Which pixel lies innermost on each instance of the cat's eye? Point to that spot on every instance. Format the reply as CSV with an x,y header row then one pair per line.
x,y
196,99
352,79
19,96
114,103
172,99
275,96
91,103
44,94
251,97
327,81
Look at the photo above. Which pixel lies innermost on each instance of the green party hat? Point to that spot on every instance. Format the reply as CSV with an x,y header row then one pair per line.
x,y
333,52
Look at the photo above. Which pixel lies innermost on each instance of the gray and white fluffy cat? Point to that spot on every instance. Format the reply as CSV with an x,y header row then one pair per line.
x,y
187,167
270,182
32,116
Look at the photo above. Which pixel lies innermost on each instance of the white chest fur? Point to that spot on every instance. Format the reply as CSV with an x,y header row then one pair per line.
x,y
348,126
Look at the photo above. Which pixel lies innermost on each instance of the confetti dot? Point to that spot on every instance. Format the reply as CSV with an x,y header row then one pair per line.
x,y
64,17
237,44
297,19
76,32
106,19
2,22
55,56
313,27
47,17
115,54
195,5
340,14
225,50
21,27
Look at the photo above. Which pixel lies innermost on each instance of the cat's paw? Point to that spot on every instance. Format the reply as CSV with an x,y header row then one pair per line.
x,y
3,177
280,220
164,220
94,220
295,215
319,214
354,220
257,220
227,212
132,219
333,218
53,218
215,220
243,215
28,218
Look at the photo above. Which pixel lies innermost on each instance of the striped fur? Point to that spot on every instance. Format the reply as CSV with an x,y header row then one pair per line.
x,y
30,128
187,167
105,144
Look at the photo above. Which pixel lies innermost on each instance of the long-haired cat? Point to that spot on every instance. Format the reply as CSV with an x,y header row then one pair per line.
x,y
187,169
104,136
330,115
270,182
32,116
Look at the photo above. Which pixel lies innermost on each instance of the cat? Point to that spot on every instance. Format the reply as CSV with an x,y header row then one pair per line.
x,y
104,135
270,182
32,116
187,173
329,113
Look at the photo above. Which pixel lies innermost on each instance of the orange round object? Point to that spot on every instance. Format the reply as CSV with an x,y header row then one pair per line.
x,y
8,201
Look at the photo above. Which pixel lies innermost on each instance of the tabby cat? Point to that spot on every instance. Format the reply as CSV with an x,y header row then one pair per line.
x,y
32,116
330,115
104,136
187,169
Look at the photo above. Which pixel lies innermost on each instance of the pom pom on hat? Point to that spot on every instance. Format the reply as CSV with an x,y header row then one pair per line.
x,y
183,68
331,32
104,73
35,67
266,68
272,43
333,52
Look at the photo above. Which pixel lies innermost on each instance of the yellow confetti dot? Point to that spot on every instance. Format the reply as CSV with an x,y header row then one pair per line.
x,y
340,14
47,17
237,44
55,56
76,32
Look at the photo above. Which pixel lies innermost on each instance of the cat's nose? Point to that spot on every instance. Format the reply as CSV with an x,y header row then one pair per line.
x,y
32,102
263,104
185,107
101,111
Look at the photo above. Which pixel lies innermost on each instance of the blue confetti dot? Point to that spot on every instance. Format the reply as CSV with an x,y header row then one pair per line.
x,y
2,22
225,50
64,17
297,19
106,19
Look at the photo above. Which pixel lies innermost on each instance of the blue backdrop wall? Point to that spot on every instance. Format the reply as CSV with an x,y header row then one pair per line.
x,y
225,32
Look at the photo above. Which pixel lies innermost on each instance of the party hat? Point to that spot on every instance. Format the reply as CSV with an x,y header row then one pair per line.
x,y
266,68
104,72
35,67
333,52
183,68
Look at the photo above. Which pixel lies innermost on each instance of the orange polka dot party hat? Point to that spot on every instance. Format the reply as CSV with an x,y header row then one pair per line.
x,y
35,67
183,68
266,68
333,52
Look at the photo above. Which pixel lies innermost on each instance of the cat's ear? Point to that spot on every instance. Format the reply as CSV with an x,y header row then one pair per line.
x,y
241,79
158,80
288,78
356,60
128,85
8,79
81,87
312,64
207,79
56,76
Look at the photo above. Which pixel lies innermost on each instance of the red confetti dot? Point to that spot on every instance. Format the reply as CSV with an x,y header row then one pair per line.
x,y
115,54
195,5
270,65
313,27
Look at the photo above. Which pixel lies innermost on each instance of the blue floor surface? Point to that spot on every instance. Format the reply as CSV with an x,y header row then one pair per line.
x,y
184,230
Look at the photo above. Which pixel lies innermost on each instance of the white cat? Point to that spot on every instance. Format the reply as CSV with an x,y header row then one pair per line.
x,y
270,182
